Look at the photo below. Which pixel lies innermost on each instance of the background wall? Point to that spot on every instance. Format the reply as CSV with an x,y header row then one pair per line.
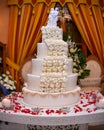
x,y
4,20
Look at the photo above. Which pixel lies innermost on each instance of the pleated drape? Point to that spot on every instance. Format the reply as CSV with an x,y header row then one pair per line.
x,y
24,34
89,18
28,16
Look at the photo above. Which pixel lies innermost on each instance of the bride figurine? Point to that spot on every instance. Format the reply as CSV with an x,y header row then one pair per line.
x,y
53,17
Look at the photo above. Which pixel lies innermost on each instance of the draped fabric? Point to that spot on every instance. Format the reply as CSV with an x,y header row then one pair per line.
x,y
28,16
24,33
88,16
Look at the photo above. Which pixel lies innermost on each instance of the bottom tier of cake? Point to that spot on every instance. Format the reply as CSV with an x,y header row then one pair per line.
x,y
51,100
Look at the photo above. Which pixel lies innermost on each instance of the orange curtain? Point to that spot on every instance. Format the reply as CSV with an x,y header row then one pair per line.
x,y
26,20
28,16
88,16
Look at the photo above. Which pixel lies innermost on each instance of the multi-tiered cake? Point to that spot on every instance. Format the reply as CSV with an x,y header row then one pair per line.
x,y
52,83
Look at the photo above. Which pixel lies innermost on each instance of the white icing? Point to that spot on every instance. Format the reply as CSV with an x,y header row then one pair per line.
x,y
56,47
53,100
51,32
33,82
52,48
60,82
42,50
52,82
37,66
50,64
71,82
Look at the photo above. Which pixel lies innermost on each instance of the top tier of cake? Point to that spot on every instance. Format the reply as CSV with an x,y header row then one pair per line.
x,y
52,43
54,33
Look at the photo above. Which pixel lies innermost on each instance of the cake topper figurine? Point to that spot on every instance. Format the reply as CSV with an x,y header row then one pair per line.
x,y
53,17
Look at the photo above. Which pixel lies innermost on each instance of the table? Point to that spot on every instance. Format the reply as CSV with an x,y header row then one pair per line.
x,y
82,113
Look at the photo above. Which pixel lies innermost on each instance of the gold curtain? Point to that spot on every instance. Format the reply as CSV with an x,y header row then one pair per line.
x,y
88,16
26,20
28,16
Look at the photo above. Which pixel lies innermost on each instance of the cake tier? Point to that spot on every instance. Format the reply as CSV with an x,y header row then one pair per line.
x,y
50,64
51,100
51,32
52,48
52,82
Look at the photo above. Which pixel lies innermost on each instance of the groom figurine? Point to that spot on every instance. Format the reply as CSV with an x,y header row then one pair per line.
x,y
53,17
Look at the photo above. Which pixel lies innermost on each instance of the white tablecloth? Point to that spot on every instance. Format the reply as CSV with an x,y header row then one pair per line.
x,y
84,112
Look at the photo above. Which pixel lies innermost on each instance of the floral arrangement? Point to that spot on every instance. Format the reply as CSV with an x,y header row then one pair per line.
x,y
7,83
79,60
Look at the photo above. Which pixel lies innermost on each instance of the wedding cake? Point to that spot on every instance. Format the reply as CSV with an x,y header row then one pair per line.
x,y
52,83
